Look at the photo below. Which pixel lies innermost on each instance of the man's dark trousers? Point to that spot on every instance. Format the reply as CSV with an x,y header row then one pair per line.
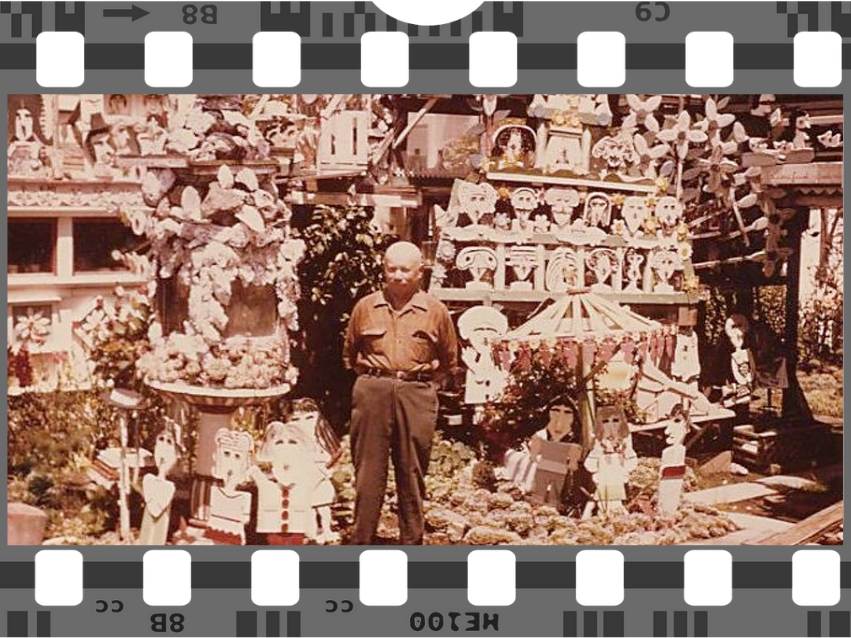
x,y
398,418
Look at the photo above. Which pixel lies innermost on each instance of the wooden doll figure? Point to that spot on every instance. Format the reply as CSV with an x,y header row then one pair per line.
x,y
673,466
738,392
157,490
326,451
556,458
610,461
230,508
285,511
485,380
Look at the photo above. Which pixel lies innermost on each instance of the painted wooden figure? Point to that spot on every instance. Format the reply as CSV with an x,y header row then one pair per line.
x,y
288,499
230,508
326,450
738,391
610,462
673,467
556,459
157,490
485,379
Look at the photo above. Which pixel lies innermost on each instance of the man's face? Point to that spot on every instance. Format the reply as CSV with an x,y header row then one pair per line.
x,y
402,274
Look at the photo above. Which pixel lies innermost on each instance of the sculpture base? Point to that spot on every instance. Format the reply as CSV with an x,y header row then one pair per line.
x,y
216,407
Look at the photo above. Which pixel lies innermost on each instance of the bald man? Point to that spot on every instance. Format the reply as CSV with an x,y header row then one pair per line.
x,y
401,342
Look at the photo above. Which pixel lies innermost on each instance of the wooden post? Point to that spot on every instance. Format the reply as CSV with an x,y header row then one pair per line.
x,y
123,481
794,401
586,402
499,275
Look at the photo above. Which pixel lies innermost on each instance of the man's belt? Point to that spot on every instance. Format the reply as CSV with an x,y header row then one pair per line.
x,y
398,374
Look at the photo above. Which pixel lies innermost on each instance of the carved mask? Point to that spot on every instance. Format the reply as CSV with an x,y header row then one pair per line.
x,y
634,212
668,211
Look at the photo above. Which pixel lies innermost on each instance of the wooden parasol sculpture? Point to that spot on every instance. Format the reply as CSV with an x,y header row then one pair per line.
x,y
587,330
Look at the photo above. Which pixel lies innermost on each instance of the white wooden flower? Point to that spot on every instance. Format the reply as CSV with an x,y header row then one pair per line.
x,y
714,122
647,157
718,170
32,329
641,113
682,135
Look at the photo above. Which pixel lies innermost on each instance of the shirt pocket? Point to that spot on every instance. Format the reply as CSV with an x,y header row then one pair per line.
x,y
371,338
424,346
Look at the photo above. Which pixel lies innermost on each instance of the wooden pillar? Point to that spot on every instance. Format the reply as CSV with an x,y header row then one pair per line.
x,y
794,401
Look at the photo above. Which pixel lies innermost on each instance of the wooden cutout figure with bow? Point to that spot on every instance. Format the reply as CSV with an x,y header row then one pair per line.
x,y
480,326
673,466
610,462
230,508
297,485
556,455
157,490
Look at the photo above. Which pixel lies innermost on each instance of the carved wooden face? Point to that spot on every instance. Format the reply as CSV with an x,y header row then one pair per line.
x,y
562,201
634,211
561,421
597,210
23,125
477,200
611,428
675,431
165,451
524,202
233,455
668,210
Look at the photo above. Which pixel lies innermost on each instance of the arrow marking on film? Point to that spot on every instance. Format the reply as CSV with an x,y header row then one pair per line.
x,y
133,12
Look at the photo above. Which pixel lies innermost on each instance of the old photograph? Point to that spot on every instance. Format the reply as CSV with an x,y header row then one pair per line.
x,y
363,319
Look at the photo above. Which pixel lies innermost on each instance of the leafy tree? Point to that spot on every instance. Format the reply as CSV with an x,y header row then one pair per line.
x,y
342,263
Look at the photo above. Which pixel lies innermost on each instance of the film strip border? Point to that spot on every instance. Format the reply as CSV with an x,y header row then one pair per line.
x,y
586,623
436,57
765,575
21,20
597,593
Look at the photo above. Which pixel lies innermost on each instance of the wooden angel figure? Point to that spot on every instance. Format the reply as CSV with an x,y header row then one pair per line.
x,y
485,379
230,508
673,467
556,455
297,490
157,490
610,462
664,263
